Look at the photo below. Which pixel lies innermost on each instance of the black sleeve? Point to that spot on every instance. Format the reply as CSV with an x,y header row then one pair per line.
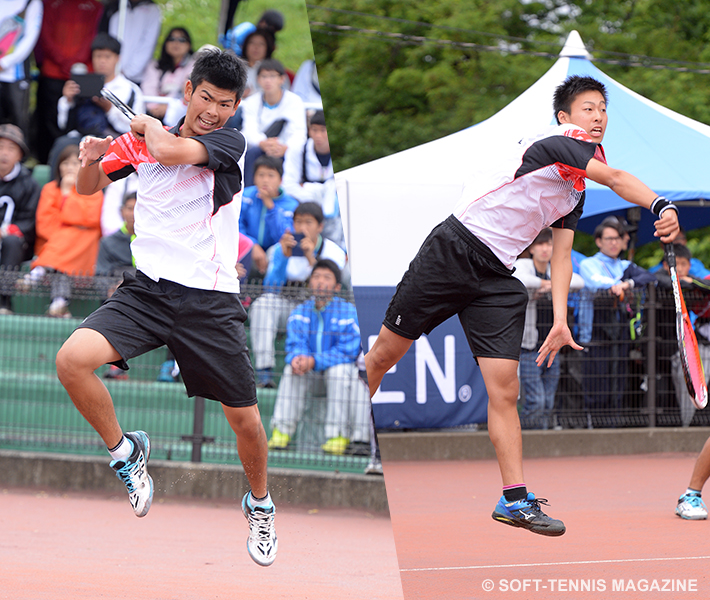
x,y
557,149
570,220
225,147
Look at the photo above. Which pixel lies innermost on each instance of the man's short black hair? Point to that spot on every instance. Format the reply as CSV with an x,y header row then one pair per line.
x,y
270,162
221,68
103,41
127,197
271,64
544,236
326,263
611,224
682,251
309,208
318,118
570,88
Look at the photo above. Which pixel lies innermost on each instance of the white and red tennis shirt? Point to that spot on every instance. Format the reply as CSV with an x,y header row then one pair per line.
x,y
186,216
540,183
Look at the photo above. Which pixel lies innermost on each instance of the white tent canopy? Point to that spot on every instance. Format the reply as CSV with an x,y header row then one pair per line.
x,y
390,205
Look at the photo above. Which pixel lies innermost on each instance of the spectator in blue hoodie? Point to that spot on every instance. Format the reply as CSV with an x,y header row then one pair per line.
x,y
322,345
267,211
291,264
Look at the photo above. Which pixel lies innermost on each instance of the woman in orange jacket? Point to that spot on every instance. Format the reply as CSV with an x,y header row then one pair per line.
x,y
68,232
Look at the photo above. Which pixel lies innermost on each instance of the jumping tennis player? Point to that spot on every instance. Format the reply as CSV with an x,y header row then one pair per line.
x,y
464,268
184,294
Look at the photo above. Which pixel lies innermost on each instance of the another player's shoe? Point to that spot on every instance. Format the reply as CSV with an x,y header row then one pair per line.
x,y
262,543
134,473
336,445
528,515
691,507
279,440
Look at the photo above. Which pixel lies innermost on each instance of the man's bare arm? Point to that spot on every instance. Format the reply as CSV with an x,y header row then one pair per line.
x,y
166,148
635,191
91,177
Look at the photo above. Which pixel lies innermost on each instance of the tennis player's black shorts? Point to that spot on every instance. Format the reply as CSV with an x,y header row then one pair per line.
x,y
203,329
454,273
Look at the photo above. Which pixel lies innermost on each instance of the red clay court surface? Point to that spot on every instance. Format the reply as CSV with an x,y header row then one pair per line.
x,y
87,546
623,539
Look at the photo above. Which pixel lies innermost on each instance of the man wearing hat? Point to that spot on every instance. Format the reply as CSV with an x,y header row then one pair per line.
x,y
19,196
308,177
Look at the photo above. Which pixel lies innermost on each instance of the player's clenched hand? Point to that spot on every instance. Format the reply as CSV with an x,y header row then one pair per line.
x,y
559,336
667,226
93,148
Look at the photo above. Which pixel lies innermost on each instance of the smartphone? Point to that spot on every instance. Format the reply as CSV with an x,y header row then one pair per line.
x,y
297,250
90,84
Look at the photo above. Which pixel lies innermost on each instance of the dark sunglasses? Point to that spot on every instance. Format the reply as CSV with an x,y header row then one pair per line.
x,y
178,39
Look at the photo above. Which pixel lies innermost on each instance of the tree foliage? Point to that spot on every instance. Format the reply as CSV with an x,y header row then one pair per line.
x,y
431,71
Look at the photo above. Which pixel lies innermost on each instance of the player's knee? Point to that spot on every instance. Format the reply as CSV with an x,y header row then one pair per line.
x,y
67,364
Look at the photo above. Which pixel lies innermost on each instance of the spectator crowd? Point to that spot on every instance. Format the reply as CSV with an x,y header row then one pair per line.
x,y
608,313
52,236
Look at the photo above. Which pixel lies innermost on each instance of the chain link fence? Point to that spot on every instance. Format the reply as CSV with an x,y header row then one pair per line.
x,y
36,413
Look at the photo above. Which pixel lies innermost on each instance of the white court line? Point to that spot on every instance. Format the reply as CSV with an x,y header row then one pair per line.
x,y
556,564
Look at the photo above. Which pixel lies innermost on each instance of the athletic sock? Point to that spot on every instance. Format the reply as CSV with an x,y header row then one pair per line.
x,y
264,502
515,492
122,450
691,491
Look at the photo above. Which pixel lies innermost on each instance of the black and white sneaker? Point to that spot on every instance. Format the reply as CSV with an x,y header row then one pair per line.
x,y
134,473
262,543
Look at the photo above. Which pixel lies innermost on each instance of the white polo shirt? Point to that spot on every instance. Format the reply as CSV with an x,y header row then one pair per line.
x,y
186,216
539,184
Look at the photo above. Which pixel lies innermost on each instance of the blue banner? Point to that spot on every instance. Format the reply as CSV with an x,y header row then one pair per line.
x,y
437,384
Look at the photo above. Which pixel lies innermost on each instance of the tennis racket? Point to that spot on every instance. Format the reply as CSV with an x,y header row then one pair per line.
x,y
119,104
687,342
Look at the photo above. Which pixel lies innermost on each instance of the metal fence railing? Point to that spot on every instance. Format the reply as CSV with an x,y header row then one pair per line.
x,y
37,414
628,374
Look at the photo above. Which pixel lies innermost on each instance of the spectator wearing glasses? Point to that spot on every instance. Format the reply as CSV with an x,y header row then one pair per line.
x,y
607,306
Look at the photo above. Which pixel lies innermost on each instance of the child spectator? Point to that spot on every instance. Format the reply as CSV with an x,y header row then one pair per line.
x,y
97,116
68,232
167,76
274,118
308,177
322,345
115,250
289,269
267,211
19,195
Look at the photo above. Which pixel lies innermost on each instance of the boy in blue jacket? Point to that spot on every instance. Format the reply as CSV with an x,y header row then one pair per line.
x,y
322,345
267,211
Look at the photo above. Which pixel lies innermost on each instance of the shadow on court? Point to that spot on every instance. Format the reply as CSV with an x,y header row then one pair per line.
x,y
623,539
90,546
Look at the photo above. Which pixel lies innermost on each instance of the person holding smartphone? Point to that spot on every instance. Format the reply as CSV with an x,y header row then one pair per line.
x,y
285,283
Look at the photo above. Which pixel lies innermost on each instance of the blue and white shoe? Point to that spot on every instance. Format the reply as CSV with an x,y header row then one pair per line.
x,y
691,507
134,473
528,515
262,543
